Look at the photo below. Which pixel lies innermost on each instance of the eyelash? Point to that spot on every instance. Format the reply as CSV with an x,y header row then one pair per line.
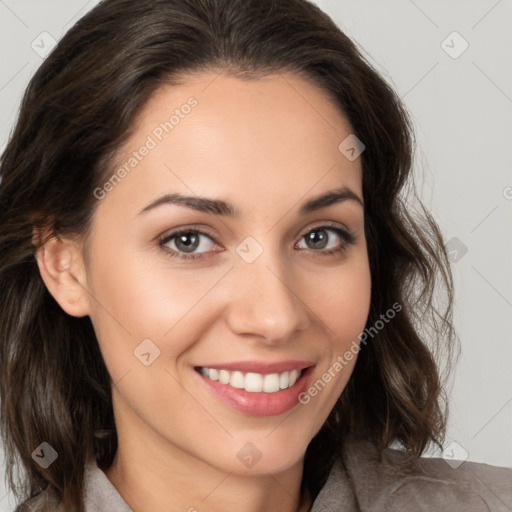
x,y
346,237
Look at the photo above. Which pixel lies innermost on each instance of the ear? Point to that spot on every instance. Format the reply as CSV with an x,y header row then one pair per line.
x,y
62,269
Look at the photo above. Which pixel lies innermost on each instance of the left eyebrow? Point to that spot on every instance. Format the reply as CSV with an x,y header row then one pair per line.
x,y
329,198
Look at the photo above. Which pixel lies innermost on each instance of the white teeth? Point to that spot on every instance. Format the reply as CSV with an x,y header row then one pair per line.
x,y
253,382
237,380
224,377
294,374
271,383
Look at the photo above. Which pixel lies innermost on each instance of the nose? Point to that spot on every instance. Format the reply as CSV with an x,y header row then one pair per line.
x,y
264,302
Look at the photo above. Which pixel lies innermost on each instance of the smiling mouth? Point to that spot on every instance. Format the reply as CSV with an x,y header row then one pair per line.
x,y
253,382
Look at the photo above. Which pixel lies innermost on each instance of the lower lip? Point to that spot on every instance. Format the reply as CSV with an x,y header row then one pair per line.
x,y
259,404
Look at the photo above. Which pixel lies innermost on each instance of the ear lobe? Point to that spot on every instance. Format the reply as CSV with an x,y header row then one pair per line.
x,y
62,270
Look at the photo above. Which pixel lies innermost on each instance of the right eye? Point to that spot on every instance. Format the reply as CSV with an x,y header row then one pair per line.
x,y
187,244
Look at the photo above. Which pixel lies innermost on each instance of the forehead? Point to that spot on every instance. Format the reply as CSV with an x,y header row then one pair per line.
x,y
218,135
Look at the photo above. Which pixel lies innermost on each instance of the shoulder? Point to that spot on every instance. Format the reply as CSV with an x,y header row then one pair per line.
x,y
99,494
386,483
468,487
45,501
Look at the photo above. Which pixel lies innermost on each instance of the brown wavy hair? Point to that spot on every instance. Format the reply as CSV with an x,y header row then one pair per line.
x,y
77,111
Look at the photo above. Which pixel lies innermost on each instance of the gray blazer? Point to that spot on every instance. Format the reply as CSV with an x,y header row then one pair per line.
x,y
358,482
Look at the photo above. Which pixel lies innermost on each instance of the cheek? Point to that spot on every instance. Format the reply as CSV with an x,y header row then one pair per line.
x,y
134,301
333,374
341,300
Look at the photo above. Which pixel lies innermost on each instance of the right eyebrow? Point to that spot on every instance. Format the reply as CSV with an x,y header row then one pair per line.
x,y
202,204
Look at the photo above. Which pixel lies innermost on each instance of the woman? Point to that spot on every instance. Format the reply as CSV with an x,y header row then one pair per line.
x,y
212,283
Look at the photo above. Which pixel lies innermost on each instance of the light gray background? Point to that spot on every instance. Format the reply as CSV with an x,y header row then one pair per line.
x,y
461,108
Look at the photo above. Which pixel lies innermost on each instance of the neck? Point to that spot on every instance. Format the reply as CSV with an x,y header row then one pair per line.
x,y
150,482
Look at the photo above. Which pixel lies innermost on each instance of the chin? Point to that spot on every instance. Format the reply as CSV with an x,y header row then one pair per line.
x,y
260,458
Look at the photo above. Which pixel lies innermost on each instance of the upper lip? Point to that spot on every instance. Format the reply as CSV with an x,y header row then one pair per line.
x,y
260,366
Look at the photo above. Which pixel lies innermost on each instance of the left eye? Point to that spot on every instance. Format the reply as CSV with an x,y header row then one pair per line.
x,y
322,238
189,242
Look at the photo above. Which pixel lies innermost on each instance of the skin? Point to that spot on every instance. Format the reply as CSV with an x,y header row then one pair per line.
x,y
266,146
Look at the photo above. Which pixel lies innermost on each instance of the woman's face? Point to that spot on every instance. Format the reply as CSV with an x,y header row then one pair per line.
x,y
232,247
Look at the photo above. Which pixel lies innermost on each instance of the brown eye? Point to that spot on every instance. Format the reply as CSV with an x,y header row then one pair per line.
x,y
317,239
187,244
326,238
